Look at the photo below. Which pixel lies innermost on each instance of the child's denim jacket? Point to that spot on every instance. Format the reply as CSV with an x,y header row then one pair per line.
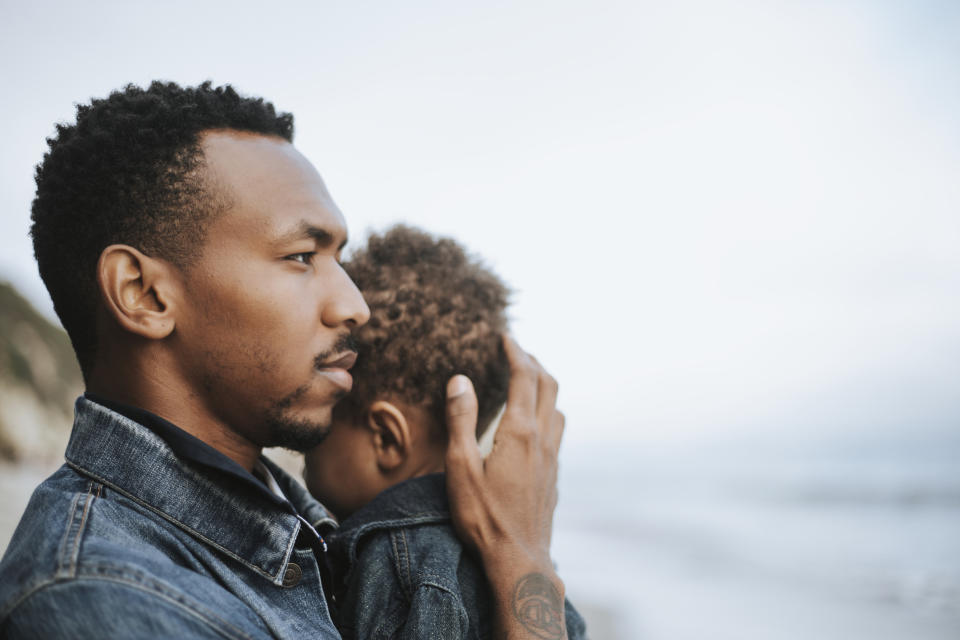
x,y
404,574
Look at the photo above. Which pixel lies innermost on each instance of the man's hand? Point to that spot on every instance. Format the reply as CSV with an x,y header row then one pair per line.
x,y
503,506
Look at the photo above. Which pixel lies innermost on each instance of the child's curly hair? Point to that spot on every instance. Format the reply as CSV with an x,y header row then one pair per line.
x,y
434,312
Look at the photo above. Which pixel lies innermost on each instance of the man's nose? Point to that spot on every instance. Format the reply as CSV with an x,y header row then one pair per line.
x,y
345,304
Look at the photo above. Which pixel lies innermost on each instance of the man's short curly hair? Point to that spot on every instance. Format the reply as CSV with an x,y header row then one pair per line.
x,y
130,172
434,312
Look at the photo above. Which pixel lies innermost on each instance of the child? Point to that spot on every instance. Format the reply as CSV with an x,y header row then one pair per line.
x,y
401,571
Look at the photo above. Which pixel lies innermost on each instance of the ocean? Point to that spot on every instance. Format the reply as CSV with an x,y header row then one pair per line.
x,y
771,544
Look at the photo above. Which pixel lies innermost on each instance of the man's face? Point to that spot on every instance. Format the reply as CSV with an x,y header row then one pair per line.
x,y
263,329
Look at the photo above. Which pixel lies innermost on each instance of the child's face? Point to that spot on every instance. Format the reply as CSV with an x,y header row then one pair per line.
x,y
342,473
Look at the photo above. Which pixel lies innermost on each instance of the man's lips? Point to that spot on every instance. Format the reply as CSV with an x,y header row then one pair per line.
x,y
337,370
342,361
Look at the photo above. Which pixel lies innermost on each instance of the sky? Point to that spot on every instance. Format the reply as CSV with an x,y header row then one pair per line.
x,y
718,217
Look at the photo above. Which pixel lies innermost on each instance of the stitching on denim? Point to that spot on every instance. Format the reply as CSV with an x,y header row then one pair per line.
x,y
461,608
176,522
424,518
394,619
326,520
207,618
398,565
278,579
406,558
62,550
174,597
77,537
436,581
396,561
26,594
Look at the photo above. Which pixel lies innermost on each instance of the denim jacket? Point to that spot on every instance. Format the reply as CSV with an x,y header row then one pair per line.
x,y
128,540
402,572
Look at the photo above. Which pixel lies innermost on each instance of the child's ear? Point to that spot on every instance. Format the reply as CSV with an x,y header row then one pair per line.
x,y
391,435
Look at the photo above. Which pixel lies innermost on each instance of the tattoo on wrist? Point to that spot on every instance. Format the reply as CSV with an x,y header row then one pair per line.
x,y
537,605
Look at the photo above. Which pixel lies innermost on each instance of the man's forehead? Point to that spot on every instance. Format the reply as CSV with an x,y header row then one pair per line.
x,y
272,186
243,159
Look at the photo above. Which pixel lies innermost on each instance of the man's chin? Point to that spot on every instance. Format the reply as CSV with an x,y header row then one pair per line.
x,y
296,433
298,421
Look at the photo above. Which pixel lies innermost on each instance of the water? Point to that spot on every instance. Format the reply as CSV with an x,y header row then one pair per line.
x,y
680,544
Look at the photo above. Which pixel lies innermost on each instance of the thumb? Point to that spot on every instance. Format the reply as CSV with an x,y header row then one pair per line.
x,y
461,415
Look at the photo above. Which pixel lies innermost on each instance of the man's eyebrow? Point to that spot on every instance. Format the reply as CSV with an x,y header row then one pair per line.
x,y
321,236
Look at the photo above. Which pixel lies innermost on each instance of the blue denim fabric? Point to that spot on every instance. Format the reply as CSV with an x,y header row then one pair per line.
x,y
127,540
404,574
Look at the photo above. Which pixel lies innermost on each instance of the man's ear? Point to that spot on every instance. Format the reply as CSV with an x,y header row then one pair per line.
x,y
391,435
137,291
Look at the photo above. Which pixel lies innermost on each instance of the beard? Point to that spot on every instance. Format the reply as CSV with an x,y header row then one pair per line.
x,y
293,432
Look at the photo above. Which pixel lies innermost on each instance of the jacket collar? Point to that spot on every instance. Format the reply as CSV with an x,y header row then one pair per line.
x,y
416,501
218,508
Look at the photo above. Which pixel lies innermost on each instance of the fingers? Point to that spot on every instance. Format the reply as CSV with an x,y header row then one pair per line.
x,y
532,399
554,433
532,391
463,451
547,389
522,389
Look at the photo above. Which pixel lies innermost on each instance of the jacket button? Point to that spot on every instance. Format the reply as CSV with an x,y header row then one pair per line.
x,y
291,577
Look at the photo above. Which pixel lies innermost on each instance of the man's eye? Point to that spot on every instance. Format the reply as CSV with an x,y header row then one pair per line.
x,y
305,257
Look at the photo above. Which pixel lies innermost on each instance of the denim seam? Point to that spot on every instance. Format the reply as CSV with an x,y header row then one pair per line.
x,y
398,564
427,581
431,580
208,619
406,559
420,518
353,537
64,542
61,552
79,535
276,579
324,521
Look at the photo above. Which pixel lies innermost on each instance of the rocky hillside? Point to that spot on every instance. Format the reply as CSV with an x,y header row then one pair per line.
x,y
39,380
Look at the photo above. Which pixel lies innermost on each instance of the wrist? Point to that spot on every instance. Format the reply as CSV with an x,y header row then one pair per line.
x,y
505,564
529,595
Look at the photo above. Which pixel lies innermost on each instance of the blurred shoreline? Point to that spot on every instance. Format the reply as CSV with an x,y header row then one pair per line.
x,y
764,542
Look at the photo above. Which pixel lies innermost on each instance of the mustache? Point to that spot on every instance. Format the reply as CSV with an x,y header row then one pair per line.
x,y
344,343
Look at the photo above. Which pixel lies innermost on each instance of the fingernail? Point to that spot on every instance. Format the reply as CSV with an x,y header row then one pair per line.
x,y
458,385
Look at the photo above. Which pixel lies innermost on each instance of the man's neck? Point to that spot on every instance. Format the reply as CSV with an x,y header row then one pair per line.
x,y
177,404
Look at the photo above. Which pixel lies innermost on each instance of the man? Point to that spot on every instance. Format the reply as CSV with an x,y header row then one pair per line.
x,y
192,254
